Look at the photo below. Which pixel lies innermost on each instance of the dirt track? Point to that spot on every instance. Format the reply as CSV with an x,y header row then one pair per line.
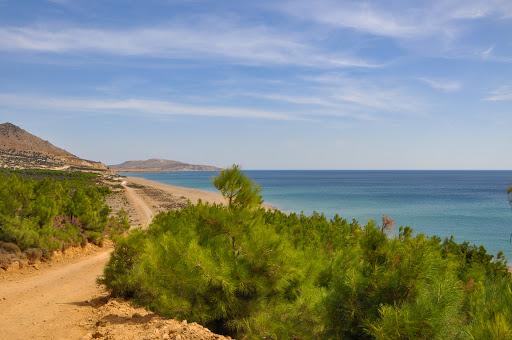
x,y
52,303
143,210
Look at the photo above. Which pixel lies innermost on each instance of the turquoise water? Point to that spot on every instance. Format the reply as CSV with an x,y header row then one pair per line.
x,y
471,205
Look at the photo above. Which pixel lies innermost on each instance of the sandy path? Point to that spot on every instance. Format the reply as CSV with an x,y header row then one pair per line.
x,y
143,210
51,304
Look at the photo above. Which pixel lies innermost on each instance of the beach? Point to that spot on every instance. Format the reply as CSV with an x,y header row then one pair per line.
x,y
176,192
142,199
146,198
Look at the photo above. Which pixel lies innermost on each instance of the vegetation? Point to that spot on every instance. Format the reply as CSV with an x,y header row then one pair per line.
x,y
254,273
238,189
42,211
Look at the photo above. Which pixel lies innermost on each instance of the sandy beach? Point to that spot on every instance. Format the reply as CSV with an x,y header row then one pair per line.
x,y
143,199
162,196
191,194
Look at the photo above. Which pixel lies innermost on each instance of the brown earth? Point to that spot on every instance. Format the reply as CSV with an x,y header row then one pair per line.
x,y
49,304
61,299
117,319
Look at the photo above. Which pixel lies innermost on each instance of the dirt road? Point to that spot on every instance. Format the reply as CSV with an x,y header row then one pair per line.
x,y
143,210
51,304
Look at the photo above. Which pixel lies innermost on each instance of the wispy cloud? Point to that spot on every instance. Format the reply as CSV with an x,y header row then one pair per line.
x,y
475,9
134,106
369,93
212,40
442,84
354,102
355,15
401,20
503,93
331,94
489,55
485,54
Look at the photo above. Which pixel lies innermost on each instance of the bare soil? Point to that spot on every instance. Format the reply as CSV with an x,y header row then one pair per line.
x,y
49,303
118,319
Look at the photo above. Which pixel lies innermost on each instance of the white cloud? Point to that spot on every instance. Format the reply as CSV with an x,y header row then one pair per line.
x,y
503,93
485,54
475,9
212,40
442,84
133,106
489,55
401,20
330,94
354,101
359,16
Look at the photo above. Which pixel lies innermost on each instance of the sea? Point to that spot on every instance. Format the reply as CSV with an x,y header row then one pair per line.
x,y
472,206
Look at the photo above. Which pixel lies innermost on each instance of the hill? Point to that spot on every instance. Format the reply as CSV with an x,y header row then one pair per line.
x,y
22,150
160,165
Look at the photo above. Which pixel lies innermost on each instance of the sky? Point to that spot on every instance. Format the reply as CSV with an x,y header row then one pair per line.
x,y
265,84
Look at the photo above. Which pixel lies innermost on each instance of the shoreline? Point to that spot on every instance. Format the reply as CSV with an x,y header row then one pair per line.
x,y
181,192
192,194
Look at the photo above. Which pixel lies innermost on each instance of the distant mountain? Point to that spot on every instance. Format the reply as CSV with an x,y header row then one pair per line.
x,y
21,149
160,165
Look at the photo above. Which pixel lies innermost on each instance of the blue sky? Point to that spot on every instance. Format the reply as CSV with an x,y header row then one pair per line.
x,y
266,84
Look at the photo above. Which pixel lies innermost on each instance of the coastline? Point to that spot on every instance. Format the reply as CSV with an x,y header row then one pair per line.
x,y
191,194
180,192
195,195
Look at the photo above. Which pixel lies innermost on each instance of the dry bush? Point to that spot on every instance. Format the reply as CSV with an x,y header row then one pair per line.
x,y
33,255
9,247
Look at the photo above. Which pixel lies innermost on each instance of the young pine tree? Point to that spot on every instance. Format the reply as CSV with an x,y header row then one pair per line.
x,y
238,189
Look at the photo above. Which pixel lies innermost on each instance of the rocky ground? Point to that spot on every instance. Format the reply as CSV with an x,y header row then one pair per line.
x,y
118,201
158,199
118,319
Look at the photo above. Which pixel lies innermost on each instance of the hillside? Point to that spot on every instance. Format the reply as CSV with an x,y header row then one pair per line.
x,y
160,165
22,150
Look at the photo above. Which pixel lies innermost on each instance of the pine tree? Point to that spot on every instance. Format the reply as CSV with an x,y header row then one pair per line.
x,y
237,188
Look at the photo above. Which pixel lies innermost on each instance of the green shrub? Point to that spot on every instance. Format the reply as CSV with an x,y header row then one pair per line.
x,y
54,210
254,273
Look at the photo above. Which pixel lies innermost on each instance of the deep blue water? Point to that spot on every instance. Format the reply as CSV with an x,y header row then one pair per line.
x,y
471,205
